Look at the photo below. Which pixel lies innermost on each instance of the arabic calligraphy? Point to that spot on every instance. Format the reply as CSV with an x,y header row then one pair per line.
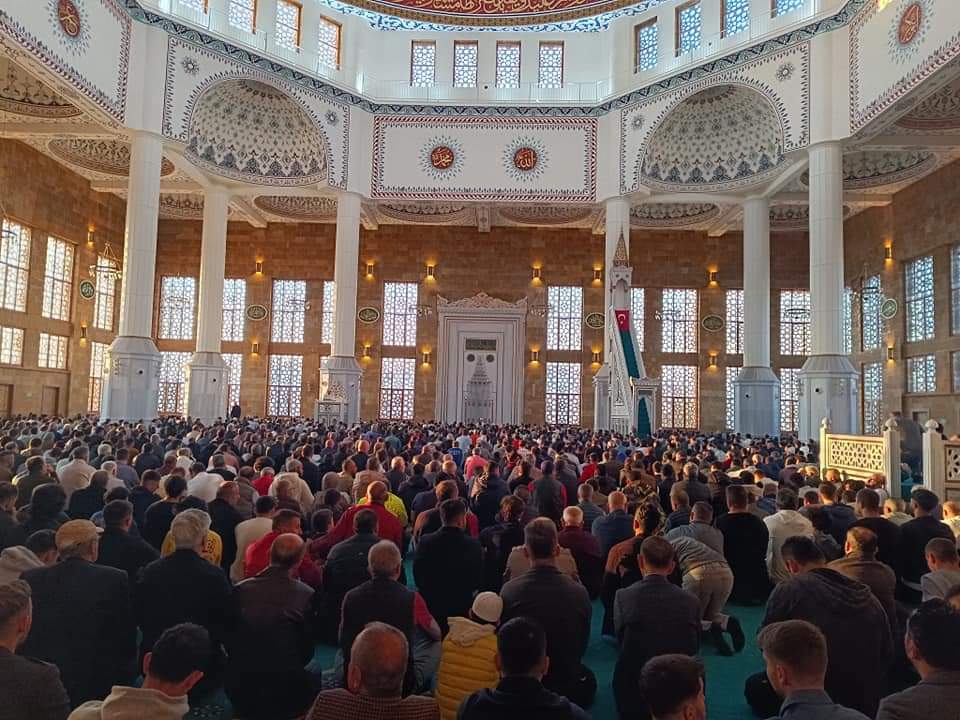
x,y
69,18
493,7
442,157
525,159
910,23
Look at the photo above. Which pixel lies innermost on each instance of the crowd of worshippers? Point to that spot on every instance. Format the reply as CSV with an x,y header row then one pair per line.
x,y
147,566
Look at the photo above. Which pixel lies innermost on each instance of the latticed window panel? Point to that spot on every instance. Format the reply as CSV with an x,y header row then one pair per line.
x,y
14,266
11,346
955,290
98,368
328,319
285,385
288,24
178,307
782,7
955,362
423,63
198,5
53,352
847,320
563,393
466,55
679,321
397,376
105,298
730,396
242,14
736,16
789,399
679,390
328,43
646,42
795,322
638,314
57,280
508,65
564,317
400,314
234,307
870,302
689,20
234,363
922,374
551,65
872,394
734,322
172,389
289,310
918,275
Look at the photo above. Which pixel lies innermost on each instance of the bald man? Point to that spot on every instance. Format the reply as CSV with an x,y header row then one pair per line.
x,y
614,527
388,526
585,549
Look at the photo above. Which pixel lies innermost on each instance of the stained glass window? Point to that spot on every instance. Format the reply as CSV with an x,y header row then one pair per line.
x,y
922,374
679,389
563,393
329,320
872,394
172,395
734,322
847,320
794,322
11,346
465,58
688,27
242,14
955,290
564,317
396,388
919,299
736,16
234,307
637,314
106,293
328,43
400,314
551,64
288,24
508,64
646,41
53,352
730,396
177,307
870,301
234,363
782,7
289,310
423,61
679,321
57,280
789,399
98,362
14,266
285,383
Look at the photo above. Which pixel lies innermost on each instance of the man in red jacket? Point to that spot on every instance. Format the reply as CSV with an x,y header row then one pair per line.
x,y
388,527
257,557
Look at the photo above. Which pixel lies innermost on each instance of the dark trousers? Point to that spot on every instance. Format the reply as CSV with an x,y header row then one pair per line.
x,y
580,689
270,696
761,697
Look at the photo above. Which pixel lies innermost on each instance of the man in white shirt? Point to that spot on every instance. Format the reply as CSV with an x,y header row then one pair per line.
x,y
76,474
783,524
110,468
951,517
249,531
301,492
202,484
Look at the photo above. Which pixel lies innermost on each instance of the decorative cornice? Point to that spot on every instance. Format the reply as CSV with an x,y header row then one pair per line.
x,y
482,301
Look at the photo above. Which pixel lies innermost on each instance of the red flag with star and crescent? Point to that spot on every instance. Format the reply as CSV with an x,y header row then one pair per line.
x,y
623,320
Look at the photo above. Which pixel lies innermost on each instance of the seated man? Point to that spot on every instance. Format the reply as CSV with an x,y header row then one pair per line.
x,y
860,563
378,665
915,535
522,661
944,564
783,524
585,549
170,672
795,653
673,686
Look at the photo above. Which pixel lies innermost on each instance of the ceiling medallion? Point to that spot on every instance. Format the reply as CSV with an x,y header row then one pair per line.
x,y
442,157
525,159
910,22
69,18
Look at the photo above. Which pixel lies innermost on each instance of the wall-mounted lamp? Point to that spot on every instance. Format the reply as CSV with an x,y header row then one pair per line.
x,y
83,332
888,253
534,356
91,236
713,277
369,270
597,274
366,350
254,348
536,273
426,357
712,360
595,357
258,267
890,350
431,272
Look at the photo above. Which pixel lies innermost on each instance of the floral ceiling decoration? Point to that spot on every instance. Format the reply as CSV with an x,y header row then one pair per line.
x,y
181,206
428,213
794,216
304,209
672,215
23,94
110,157
544,214
938,113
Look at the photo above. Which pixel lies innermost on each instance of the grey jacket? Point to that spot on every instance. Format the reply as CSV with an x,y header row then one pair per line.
x,y
815,705
936,697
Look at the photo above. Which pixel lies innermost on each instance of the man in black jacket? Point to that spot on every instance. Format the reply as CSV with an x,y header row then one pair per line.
x,y
85,502
449,564
119,549
498,540
224,518
83,622
915,535
144,495
346,568
745,539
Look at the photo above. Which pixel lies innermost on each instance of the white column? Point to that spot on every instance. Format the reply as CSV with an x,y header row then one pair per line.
x,y
130,385
207,372
829,382
757,399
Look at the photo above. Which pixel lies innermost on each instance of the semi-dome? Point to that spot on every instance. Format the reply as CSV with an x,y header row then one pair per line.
x,y
251,131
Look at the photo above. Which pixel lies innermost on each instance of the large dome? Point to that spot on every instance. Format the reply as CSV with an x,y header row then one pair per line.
x,y
718,138
251,131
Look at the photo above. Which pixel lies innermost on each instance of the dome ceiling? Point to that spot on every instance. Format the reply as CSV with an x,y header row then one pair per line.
x,y
939,113
869,169
110,157
23,94
303,209
672,215
544,214
717,139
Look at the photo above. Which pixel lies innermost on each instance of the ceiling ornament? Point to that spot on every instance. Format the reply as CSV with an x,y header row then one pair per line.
x,y
525,158
110,157
544,214
938,112
251,131
869,169
23,94
181,206
794,216
482,301
672,215
426,213
304,209
442,157
722,137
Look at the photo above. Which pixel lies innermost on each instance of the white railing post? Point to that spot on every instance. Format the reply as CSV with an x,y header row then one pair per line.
x,y
824,445
891,456
934,468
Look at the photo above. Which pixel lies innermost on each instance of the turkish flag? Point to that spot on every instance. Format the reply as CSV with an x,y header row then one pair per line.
x,y
623,319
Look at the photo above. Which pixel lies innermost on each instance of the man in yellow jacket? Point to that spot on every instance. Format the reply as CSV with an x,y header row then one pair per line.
x,y
467,659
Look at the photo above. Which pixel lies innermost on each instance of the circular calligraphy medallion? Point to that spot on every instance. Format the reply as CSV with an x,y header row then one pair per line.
x,y
442,157
69,18
368,315
256,312
87,289
594,321
910,22
888,309
525,159
713,323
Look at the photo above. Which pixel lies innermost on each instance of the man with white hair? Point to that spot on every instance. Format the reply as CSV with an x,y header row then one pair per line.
x,y
300,491
203,484
183,587
113,480
585,549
